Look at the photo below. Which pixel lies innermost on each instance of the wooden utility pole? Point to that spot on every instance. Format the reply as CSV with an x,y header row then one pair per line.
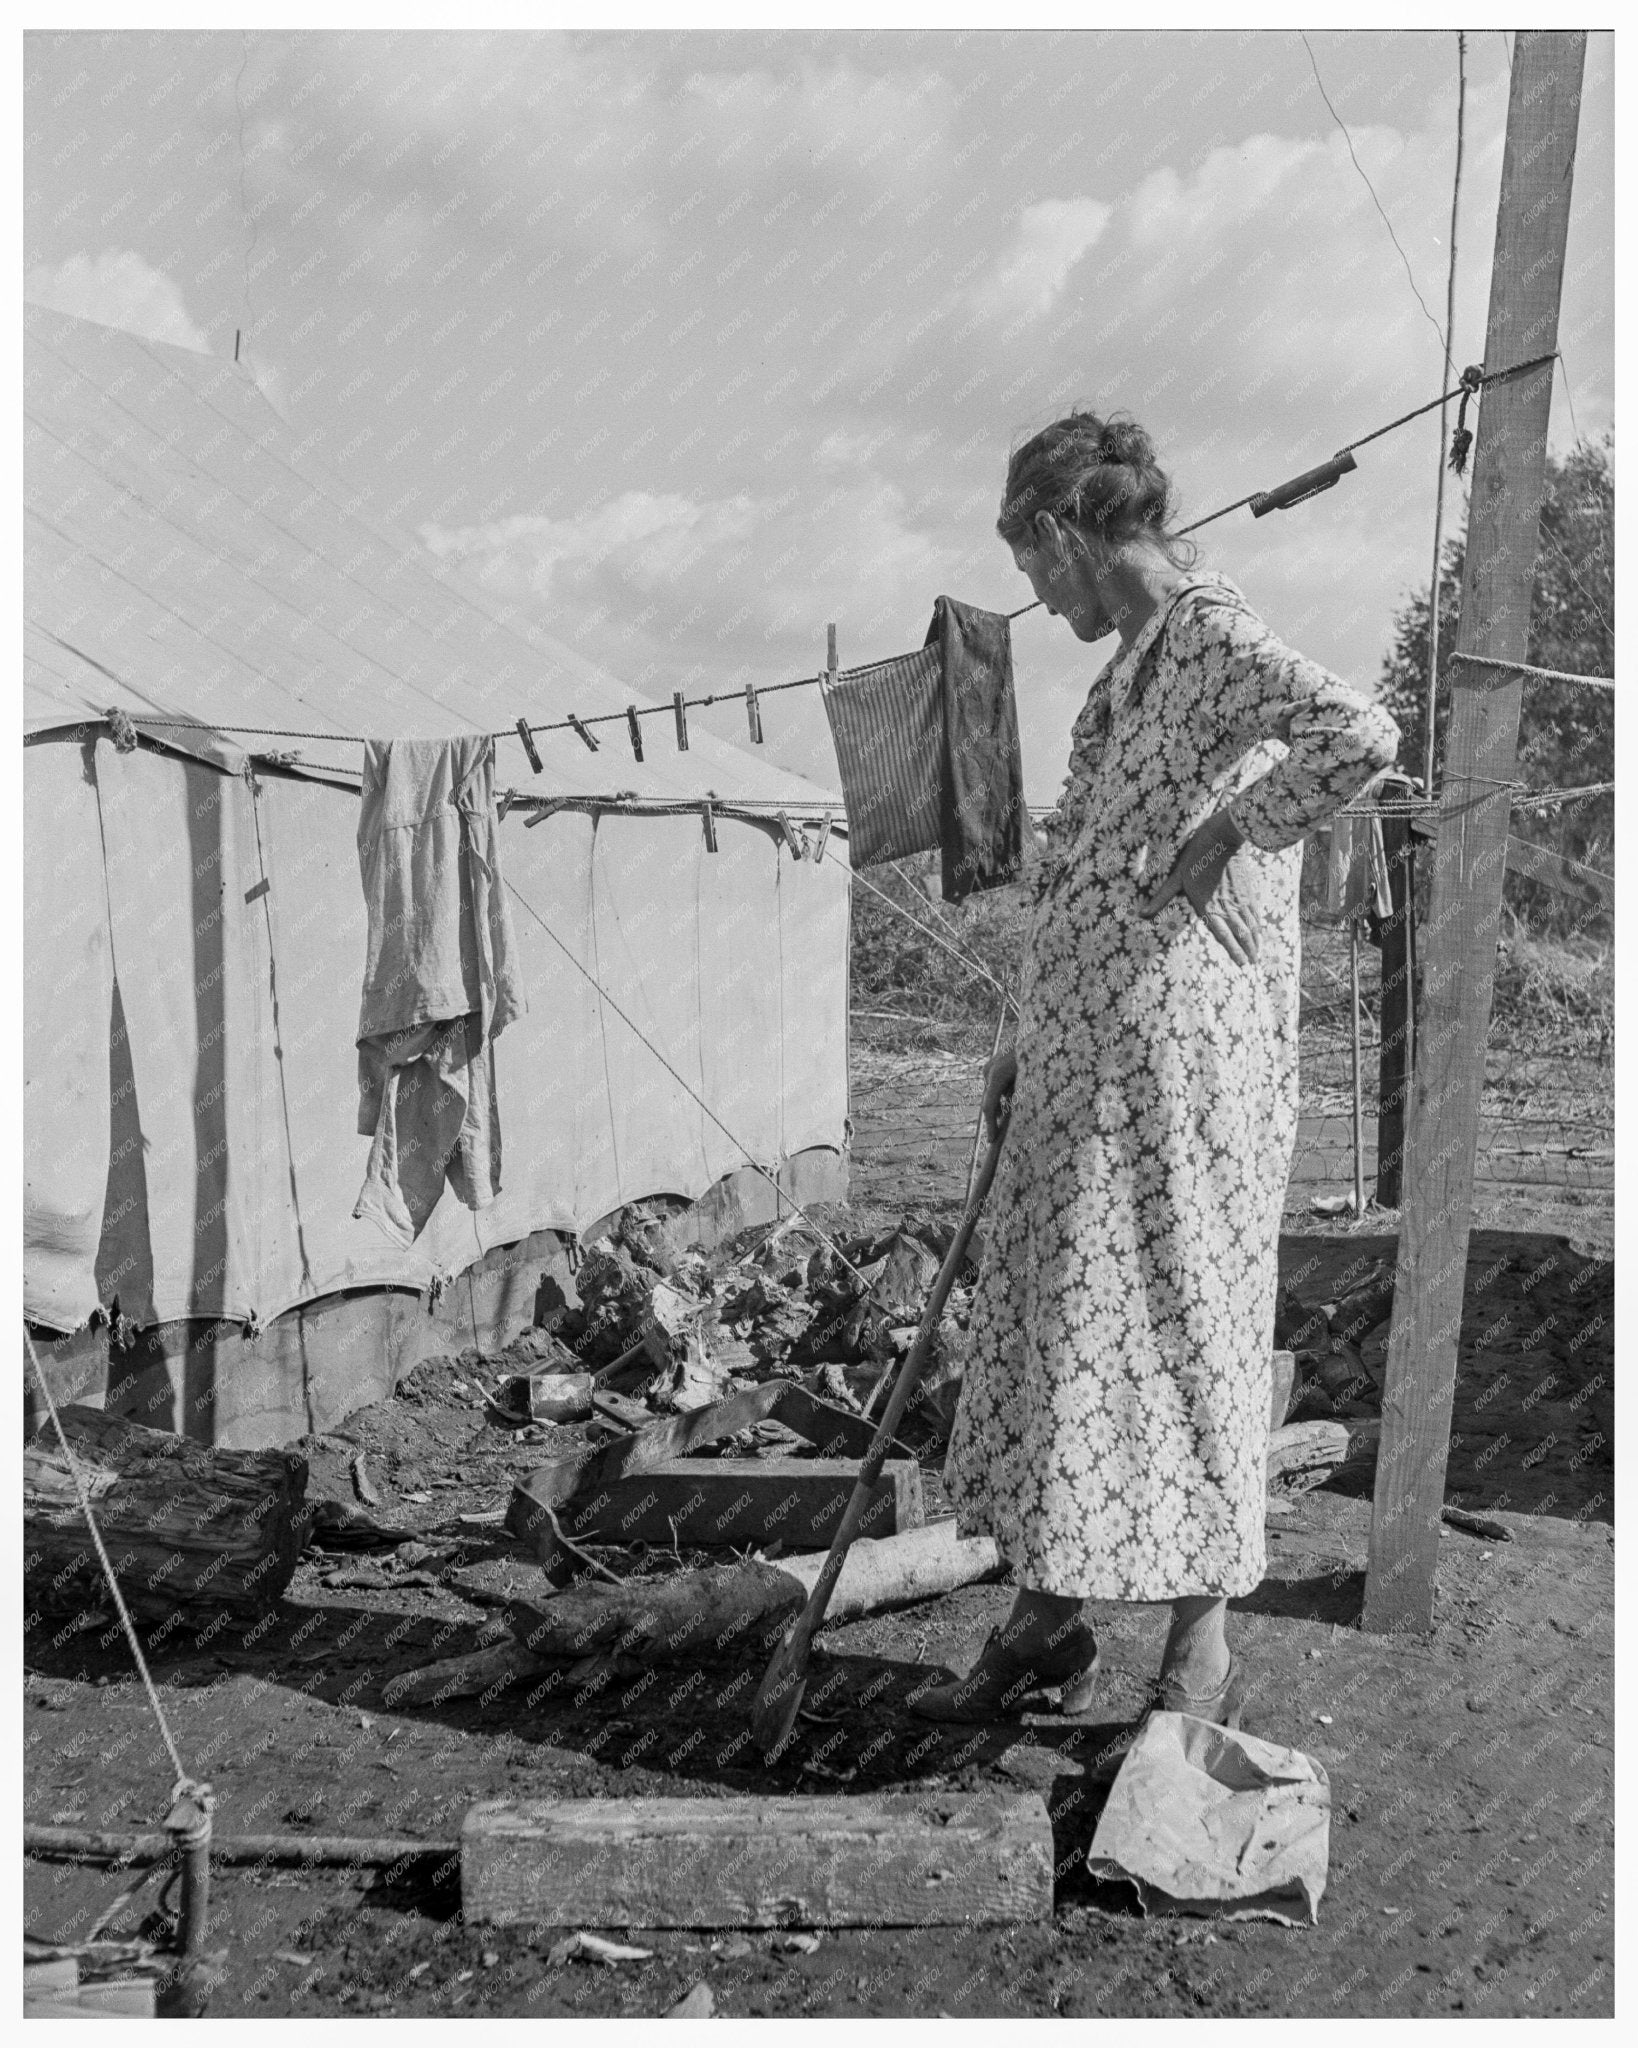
x,y
1457,942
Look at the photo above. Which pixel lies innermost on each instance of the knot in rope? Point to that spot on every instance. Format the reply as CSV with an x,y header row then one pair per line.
x,y
1462,440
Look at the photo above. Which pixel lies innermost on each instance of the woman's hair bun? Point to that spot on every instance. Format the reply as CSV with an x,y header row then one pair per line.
x,y
1124,441
1097,472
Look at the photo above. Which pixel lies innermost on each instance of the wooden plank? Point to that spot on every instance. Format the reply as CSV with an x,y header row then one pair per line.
x,y
798,1501
1458,939
1558,871
588,1473
892,1860
833,1430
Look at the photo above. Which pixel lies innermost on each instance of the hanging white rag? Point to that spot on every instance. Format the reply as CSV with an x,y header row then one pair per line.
x,y
441,979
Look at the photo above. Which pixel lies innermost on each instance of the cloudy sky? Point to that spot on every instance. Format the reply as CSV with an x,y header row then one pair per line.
x,y
694,342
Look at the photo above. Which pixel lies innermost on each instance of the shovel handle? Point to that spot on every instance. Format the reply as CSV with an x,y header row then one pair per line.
x,y
909,1378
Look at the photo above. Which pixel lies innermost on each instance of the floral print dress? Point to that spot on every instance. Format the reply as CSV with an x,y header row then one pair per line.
x,y
1113,1425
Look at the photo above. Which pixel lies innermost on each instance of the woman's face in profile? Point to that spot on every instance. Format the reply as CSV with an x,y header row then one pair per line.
x,y
1063,583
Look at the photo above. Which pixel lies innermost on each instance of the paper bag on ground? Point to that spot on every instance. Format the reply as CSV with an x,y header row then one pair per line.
x,y
1203,1819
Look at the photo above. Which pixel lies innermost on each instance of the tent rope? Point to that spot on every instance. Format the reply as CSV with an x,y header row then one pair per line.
x,y
973,965
1544,675
184,1783
738,1143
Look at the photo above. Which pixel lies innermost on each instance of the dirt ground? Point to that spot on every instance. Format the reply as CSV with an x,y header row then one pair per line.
x,y
1471,1854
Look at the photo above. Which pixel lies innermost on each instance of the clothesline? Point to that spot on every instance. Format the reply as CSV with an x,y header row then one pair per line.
x,y
1471,380
681,704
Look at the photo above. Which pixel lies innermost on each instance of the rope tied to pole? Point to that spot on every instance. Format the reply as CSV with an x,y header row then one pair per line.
x,y
1462,439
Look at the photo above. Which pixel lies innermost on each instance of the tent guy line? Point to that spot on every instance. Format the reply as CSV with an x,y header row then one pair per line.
x,y
183,1780
783,1194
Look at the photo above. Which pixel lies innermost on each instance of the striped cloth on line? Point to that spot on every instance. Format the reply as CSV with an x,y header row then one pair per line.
x,y
888,725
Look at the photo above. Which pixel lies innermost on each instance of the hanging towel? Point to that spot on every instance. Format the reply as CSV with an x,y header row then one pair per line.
x,y
441,979
982,789
1357,872
888,725
928,751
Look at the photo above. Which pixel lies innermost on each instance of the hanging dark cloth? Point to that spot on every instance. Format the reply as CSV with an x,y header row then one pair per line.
x,y
928,750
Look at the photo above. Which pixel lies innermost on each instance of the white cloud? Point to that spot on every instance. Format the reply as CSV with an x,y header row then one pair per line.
x,y
645,539
1052,237
841,448
666,589
118,289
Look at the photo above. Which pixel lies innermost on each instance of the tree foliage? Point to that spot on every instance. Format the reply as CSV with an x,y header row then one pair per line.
x,y
1566,732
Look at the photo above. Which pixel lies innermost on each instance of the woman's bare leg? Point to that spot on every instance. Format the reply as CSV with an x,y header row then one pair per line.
x,y
1197,1653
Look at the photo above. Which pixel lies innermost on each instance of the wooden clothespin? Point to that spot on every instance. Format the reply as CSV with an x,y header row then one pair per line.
x,y
634,727
508,798
710,828
681,709
830,658
824,839
529,746
584,731
793,838
753,713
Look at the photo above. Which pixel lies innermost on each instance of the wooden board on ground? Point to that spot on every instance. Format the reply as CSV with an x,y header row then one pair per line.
x,y
834,1430
795,1501
893,1860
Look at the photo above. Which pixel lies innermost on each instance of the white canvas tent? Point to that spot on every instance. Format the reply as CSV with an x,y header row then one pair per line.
x,y
194,920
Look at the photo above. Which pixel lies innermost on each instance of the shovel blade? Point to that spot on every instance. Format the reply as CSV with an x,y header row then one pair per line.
x,y
778,1701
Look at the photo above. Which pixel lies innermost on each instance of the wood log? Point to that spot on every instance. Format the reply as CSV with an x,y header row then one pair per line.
x,y
1305,1454
459,1678
730,1607
188,1529
887,1860
896,1571
722,1501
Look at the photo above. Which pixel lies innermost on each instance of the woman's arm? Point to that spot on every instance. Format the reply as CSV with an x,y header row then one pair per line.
x,y
1252,688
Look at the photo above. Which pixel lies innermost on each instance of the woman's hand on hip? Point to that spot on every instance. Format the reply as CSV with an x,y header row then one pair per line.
x,y
999,1081
1202,873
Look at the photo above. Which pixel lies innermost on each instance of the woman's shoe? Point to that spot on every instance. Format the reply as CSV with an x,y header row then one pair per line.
x,y
1003,1677
1224,1706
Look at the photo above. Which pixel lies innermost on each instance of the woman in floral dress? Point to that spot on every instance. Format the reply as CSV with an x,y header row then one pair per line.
x,y
1113,1425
